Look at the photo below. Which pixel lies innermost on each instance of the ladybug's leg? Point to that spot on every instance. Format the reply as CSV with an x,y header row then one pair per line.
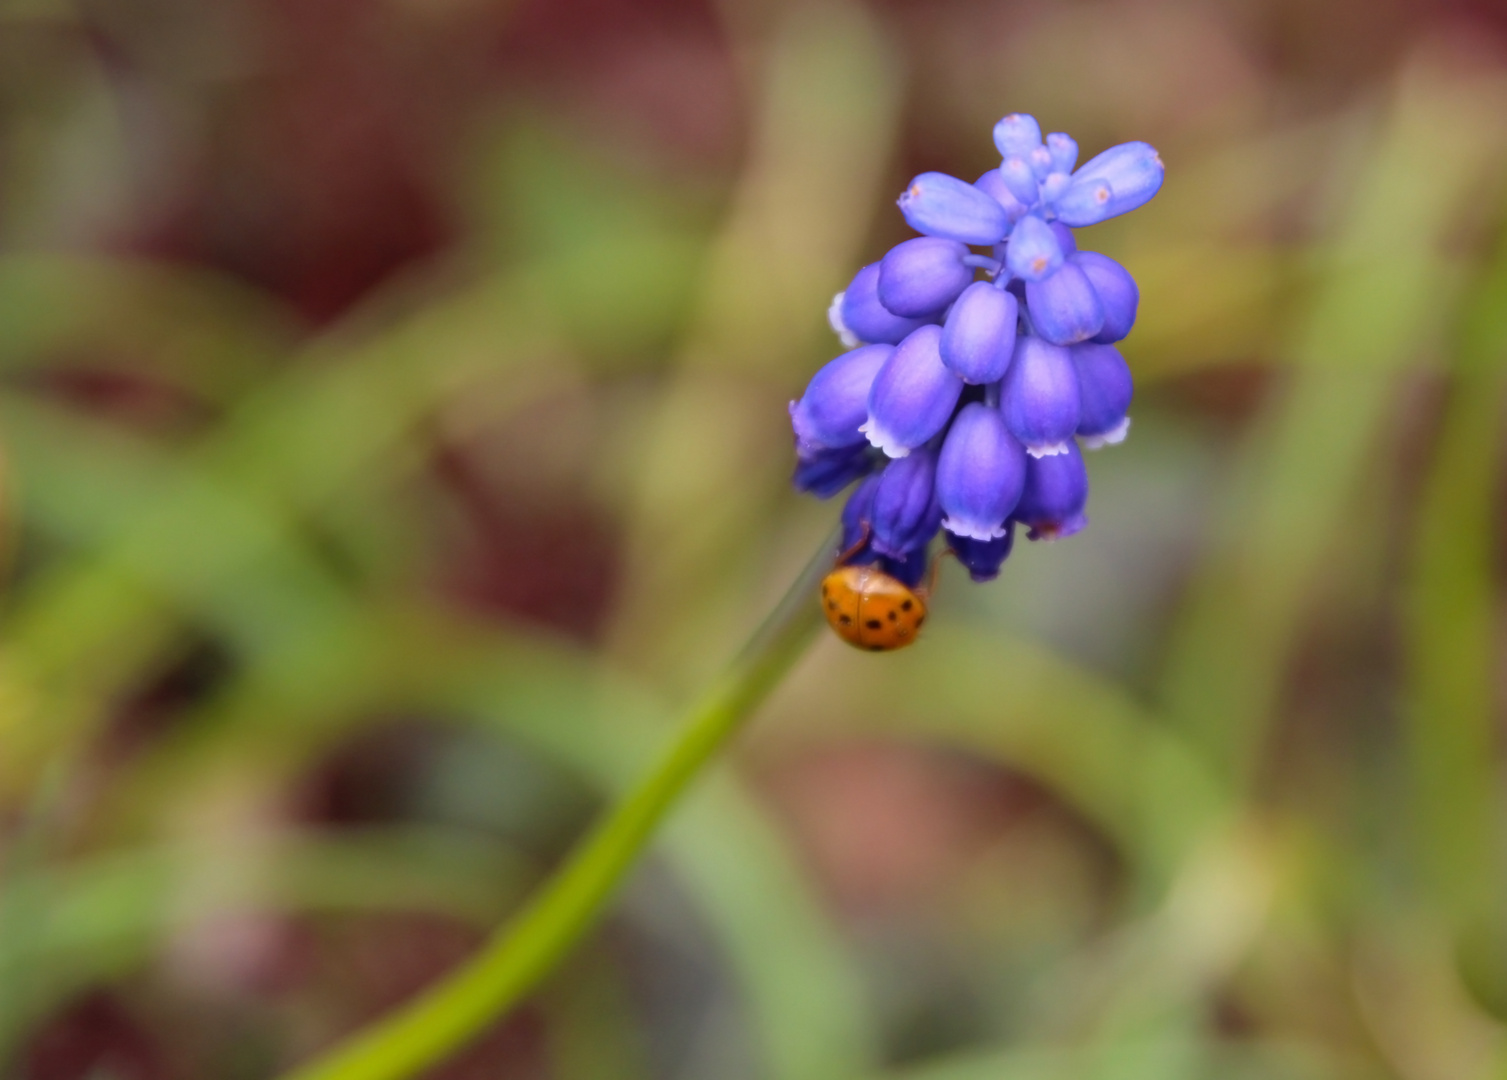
x,y
858,545
925,591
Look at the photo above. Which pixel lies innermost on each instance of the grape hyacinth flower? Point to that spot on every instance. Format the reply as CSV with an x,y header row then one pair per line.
x,y
974,377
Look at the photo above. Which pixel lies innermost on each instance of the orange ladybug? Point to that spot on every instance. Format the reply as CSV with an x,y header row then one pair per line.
x,y
871,610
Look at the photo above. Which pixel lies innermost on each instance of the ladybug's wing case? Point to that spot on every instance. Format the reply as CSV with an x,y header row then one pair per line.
x,y
841,597
890,614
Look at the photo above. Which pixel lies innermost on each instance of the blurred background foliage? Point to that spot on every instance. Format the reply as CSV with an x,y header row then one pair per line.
x,y
393,422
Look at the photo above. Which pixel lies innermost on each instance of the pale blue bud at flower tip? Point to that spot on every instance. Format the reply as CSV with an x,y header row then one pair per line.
x,y
944,206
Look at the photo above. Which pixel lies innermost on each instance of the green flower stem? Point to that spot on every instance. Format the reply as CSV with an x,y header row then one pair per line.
x,y
525,949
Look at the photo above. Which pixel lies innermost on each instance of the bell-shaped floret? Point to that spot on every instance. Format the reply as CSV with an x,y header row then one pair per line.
x,y
825,472
979,334
1065,239
905,514
1117,292
836,402
1105,388
983,558
857,518
1033,252
980,473
1055,494
920,277
993,185
1017,135
912,396
1133,171
940,205
859,312
1039,396
1064,151
1015,173
1064,308
858,534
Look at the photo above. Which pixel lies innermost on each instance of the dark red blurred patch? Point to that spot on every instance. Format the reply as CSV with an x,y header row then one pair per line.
x,y
660,69
327,167
152,708
130,398
368,780
554,563
317,175
1230,394
93,1037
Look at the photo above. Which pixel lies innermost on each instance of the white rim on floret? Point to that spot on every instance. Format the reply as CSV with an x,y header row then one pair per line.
x,y
1047,449
883,440
840,328
1113,437
974,530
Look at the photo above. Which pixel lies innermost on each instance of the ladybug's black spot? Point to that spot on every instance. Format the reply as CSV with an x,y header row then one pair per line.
x,y
873,624
893,616
907,606
832,604
844,619
824,589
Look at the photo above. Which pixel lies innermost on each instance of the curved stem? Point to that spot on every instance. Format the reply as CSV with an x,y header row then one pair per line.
x,y
526,948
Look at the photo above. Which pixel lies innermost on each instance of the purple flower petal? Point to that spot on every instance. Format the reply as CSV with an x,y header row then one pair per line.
x,y
836,402
1033,252
1015,173
1064,308
983,558
993,185
1117,291
824,473
1105,388
1040,160
913,395
1133,172
1055,494
1053,185
920,277
1064,150
905,513
979,335
857,519
1084,202
1039,396
980,473
1017,135
944,206
865,318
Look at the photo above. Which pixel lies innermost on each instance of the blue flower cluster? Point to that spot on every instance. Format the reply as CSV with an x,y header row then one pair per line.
x,y
963,400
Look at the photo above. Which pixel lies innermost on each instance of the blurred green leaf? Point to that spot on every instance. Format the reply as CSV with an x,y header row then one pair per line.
x,y
1379,307
1452,617
97,919
200,335
775,937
